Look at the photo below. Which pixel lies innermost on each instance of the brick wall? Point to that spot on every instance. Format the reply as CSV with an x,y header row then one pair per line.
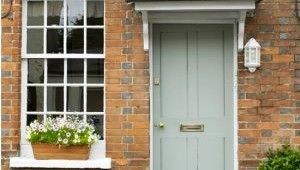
x,y
269,101
127,94
10,82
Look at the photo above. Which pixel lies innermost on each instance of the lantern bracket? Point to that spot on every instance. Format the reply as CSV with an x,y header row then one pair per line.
x,y
241,30
145,30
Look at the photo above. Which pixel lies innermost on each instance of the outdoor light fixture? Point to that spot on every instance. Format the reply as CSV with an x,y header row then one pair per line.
x,y
252,55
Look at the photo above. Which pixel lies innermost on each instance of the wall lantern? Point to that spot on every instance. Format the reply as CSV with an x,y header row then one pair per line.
x,y
252,55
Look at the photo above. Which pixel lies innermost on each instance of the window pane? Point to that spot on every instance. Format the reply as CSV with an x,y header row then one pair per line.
x,y
80,117
75,99
95,99
75,70
55,42
95,12
94,41
31,118
55,13
75,12
75,41
35,71
35,99
55,70
97,122
55,116
35,40
55,98
35,13
95,71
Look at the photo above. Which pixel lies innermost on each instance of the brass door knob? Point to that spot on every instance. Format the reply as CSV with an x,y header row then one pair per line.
x,y
159,125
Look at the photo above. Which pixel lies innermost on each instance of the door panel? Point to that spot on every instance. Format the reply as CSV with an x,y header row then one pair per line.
x,y
210,74
168,144
172,92
211,153
195,66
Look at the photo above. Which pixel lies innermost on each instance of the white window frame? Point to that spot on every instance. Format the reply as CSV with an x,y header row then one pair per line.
x,y
98,149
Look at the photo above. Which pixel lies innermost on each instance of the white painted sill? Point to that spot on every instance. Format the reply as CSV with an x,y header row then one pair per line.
x,y
23,162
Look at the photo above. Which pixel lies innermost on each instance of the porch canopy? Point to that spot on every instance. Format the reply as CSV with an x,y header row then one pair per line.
x,y
194,11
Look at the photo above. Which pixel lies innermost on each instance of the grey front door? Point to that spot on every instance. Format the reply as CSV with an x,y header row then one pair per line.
x,y
193,97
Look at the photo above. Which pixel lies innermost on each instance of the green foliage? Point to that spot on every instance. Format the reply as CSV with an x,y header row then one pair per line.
x,y
285,158
59,131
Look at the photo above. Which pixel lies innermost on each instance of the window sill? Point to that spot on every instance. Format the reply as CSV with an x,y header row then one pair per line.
x,y
22,162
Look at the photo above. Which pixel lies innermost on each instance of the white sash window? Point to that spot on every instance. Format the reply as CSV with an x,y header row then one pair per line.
x,y
63,64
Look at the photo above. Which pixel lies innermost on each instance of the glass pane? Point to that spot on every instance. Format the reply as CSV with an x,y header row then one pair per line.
x,y
75,99
35,99
75,70
95,12
97,122
55,70
75,12
31,118
55,13
95,71
75,41
35,13
94,41
35,40
55,116
35,70
55,98
95,99
80,117
55,41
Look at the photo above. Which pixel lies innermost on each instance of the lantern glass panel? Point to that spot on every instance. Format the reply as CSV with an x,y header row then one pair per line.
x,y
253,55
246,55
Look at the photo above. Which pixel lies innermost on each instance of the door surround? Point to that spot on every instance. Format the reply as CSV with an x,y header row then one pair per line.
x,y
195,12
172,19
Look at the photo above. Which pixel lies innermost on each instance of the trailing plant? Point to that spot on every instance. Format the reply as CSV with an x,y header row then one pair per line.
x,y
285,158
60,131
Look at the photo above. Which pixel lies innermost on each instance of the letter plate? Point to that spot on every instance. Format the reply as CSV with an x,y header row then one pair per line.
x,y
191,127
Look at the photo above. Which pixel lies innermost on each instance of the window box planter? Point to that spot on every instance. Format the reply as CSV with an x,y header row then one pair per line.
x,y
59,138
51,151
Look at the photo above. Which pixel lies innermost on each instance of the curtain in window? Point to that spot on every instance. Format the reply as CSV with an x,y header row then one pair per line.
x,y
55,8
75,99
94,9
37,8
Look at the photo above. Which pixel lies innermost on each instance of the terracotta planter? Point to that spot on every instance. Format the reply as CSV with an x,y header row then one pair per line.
x,y
51,151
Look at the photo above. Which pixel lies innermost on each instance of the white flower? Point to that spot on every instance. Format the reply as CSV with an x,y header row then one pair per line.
x,y
33,125
41,128
64,129
65,141
55,128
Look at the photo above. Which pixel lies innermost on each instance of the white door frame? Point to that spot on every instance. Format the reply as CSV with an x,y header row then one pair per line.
x,y
234,22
